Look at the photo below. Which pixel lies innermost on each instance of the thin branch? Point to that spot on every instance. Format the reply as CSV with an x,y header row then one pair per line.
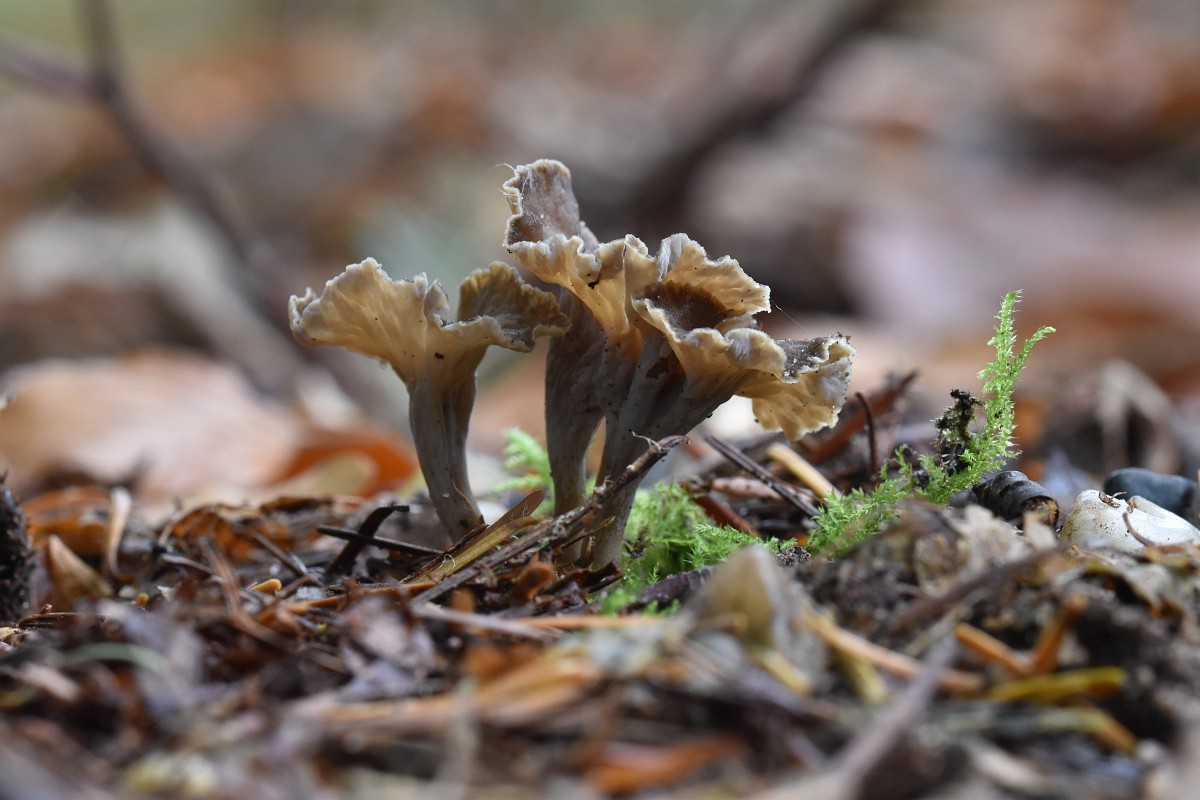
x,y
44,71
655,199
751,467
110,90
102,80
868,749
917,612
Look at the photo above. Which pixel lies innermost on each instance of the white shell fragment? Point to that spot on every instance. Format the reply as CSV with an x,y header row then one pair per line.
x,y
1102,522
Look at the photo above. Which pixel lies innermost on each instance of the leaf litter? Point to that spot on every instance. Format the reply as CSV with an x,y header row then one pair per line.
x,y
331,645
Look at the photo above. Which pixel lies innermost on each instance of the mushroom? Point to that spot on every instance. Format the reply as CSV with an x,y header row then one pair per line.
x,y
700,346
408,325
586,372
657,344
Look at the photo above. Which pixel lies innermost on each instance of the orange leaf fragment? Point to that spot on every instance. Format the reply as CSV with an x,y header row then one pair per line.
x,y
621,767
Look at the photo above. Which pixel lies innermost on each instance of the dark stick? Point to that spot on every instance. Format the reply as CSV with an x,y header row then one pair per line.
x,y
872,446
103,81
109,88
284,557
407,548
920,610
46,72
655,199
362,537
871,746
782,488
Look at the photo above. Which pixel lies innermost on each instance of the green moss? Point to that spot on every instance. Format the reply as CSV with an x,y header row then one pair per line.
x,y
668,532
964,455
526,457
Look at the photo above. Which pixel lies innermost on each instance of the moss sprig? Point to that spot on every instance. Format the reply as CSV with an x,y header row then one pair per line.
x,y
852,517
526,458
668,532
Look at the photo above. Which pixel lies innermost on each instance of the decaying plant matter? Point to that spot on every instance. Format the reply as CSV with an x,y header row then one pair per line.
x,y
14,557
657,342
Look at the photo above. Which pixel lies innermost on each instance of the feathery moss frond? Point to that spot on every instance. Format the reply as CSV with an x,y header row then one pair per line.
x,y
849,518
668,532
525,456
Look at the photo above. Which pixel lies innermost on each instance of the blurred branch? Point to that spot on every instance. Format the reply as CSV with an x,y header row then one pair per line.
x,y
102,81
43,71
657,200
109,89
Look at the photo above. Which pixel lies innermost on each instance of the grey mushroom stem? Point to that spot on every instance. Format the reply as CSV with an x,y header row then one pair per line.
x,y
439,416
660,401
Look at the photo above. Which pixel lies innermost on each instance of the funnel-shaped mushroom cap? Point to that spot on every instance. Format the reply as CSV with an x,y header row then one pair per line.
x,y
408,324
703,308
700,347
543,205
659,340
808,393
547,236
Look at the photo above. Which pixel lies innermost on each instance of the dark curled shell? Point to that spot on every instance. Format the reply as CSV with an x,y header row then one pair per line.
x,y
1011,495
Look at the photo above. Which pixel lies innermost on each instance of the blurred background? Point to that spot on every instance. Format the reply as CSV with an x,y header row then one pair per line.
x,y
170,173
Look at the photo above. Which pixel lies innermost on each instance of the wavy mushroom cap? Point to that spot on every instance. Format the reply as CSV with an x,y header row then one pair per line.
x,y
704,307
549,239
407,323
810,391
604,280
543,205
705,311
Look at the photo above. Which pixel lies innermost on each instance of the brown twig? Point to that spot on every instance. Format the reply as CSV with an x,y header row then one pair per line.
x,y
872,443
521,629
870,747
784,489
866,751
109,89
722,513
920,610
289,560
853,419
655,200
951,681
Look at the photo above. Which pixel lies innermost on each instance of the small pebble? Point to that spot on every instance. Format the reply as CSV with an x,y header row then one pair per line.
x,y
1102,522
1175,493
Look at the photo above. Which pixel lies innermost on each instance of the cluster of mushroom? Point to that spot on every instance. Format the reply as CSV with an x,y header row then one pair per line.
x,y
650,344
